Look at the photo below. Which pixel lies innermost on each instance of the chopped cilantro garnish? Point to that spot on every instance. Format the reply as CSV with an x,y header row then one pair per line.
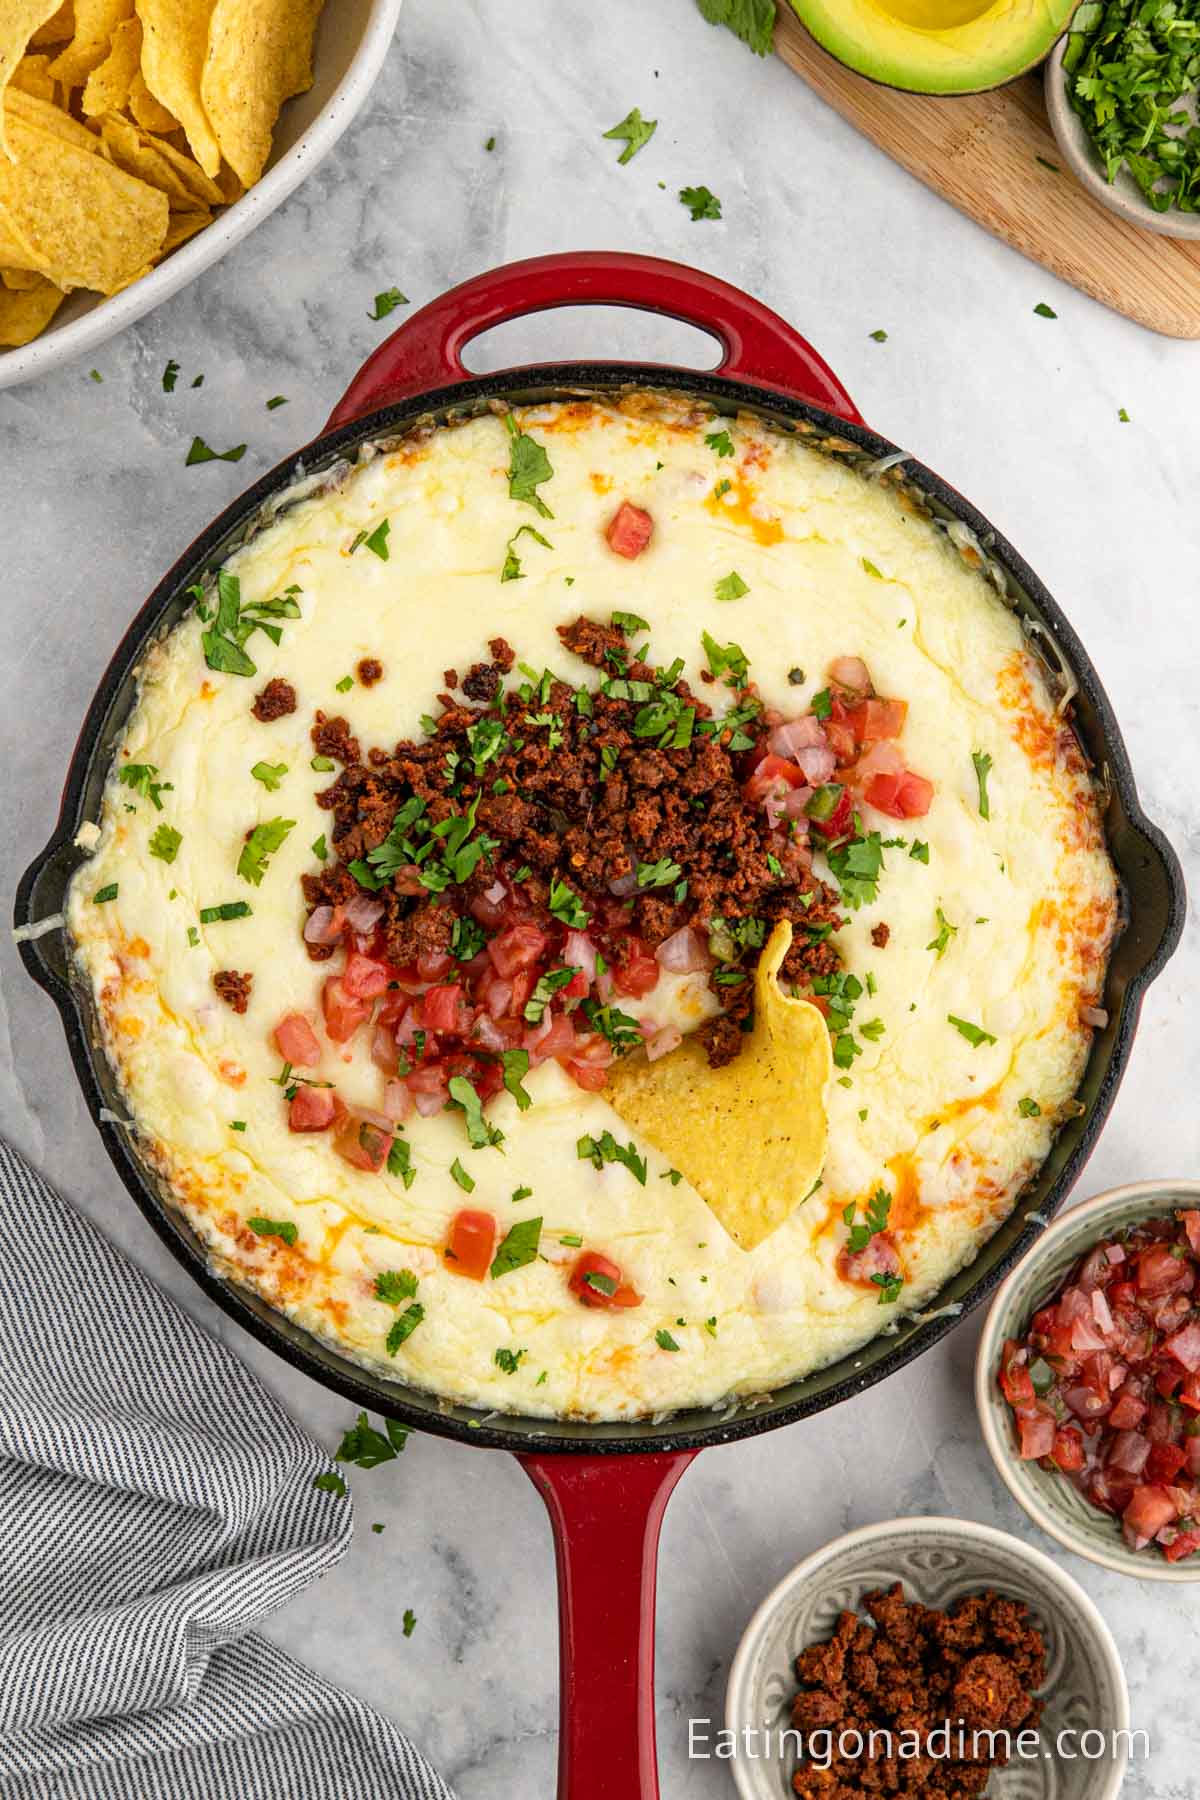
x,y
260,846
731,586
856,867
395,1286
345,684
467,938
700,202
547,986
889,1286
751,20
1045,312
366,1448
658,874
331,1483
629,622
275,401
983,763
974,1034
459,1174
140,777
320,848
512,570
878,336
228,909
822,704
726,659
270,774
518,1247
480,1135
280,1228
1029,1109
720,442
941,943
509,1360
605,1149
566,905
200,452
516,1067
170,376
404,1326
165,842
399,1161
874,1219
635,131
664,1340
621,1030
387,302
919,851
528,468
377,540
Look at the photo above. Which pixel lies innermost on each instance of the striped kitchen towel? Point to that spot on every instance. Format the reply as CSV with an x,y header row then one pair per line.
x,y
155,1504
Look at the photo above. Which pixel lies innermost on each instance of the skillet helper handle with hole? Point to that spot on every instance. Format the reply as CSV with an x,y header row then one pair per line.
x,y
759,347
607,1513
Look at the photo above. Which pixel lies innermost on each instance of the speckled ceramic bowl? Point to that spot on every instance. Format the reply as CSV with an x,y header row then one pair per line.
x,y
939,1560
1122,196
1050,1501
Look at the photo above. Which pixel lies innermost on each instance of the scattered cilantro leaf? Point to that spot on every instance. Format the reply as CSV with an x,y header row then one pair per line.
x,y
720,442
983,764
512,570
529,466
165,842
664,1340
974,1034
636,132
1028,1109
404,1327
366,1447
751,20
280,1228
270,774
518,1247
516,1067
200,452
480,1135
731,586
700,202
387,302
260,846
395,1286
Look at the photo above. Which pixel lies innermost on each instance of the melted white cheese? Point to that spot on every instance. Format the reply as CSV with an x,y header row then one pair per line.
x,y
923,1113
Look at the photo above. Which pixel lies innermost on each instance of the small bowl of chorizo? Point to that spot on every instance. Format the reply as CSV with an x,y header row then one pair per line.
x,y
1087,1381
926,1656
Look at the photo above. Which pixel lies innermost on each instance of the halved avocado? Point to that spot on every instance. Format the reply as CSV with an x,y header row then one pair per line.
x,y
937,46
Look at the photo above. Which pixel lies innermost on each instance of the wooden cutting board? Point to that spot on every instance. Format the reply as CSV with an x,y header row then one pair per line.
x,y
980,152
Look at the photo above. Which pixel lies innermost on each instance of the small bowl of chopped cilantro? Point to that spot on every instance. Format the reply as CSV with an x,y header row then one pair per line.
x,y
1121,91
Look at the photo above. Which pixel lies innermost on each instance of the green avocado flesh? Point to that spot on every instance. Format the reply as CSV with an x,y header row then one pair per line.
x,y
937,46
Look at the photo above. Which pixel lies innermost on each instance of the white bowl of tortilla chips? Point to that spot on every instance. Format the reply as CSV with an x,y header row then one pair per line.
x,y
141,139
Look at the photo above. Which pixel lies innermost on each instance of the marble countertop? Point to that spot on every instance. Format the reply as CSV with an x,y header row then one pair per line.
x,y
1019,411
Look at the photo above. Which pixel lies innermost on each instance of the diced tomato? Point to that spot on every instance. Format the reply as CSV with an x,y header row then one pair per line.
x,y
297,1042
587,1075
1164,1463
1015,1380
767,772
343,1012
1167,1381
439,1007
517,948
637,970
557,1038
629,530
1067,1453
840,819
363,1143
1189,1393
1038,1433
1184,1346
1191,1224
434,965
313,1109
1128,1411
364,978
876,720
904,796
1147,1512
595,1292
1184,1545
1159,1271
577,987
471,1244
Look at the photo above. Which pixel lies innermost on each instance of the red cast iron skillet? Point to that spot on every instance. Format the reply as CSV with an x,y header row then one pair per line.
x,y
606,1504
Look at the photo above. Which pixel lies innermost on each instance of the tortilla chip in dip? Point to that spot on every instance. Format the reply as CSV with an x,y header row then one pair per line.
x,y
19,19
175,39
750,1137
87,222
26,312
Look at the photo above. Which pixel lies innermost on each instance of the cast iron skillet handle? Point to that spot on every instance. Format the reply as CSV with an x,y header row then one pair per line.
x,y
607,1512
426,352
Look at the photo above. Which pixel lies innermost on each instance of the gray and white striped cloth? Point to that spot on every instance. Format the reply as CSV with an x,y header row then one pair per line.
x,y
155,1504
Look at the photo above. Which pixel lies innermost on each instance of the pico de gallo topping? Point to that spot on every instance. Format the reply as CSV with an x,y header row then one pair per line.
x,y
1105,1385
494,891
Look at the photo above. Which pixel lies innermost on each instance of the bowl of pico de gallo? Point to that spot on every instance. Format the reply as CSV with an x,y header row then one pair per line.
x,y
1087,1380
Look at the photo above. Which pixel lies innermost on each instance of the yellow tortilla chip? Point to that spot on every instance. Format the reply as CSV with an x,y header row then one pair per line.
x,y
175,39
146,109
95,23
51,119
125,146
20,279
750,1137
259,54
88,223
32,76
204,191
58,27
26,312
108,85
19,20
182,226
